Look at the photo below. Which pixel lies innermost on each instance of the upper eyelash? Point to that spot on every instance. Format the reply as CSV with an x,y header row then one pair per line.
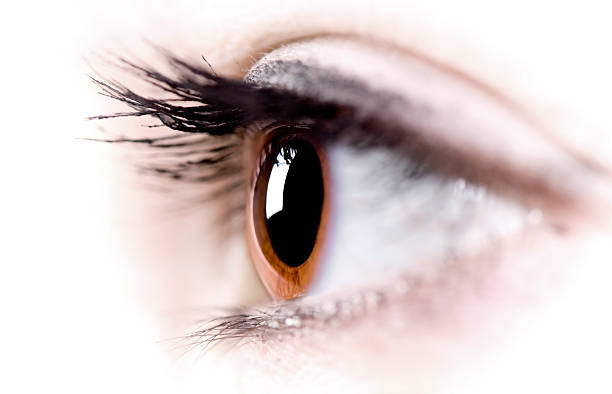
x,y
209,111
211,105
212,115
215,108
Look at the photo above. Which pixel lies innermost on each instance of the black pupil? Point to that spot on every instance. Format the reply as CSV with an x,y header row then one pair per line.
x,y
294,200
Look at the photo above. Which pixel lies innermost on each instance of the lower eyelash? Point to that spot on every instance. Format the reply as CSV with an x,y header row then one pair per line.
x,y
285,319
289,319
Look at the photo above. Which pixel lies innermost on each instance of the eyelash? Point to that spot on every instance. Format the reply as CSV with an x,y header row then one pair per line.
x,y
288,319
215,115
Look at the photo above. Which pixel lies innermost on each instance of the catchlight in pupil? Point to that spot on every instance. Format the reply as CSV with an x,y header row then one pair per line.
x,y
294,200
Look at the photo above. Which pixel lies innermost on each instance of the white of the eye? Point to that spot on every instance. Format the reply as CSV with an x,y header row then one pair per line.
x,y
276,184
383,222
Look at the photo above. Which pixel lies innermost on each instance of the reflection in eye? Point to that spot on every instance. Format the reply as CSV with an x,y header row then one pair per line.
x,y
363,193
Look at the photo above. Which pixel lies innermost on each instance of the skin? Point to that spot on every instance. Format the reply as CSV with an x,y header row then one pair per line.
x,y
145,279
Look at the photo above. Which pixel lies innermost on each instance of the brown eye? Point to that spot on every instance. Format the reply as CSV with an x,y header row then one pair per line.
x,y
286,215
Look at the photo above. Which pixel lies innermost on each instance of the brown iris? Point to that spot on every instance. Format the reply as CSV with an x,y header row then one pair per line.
x,y
286,215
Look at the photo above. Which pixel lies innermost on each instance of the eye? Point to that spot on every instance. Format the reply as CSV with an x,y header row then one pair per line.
x,y
342,181
286,214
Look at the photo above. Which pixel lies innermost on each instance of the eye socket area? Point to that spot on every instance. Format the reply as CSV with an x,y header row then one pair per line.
x,y
287,213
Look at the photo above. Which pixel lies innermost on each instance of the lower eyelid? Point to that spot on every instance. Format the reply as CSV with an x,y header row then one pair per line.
x,y
439,299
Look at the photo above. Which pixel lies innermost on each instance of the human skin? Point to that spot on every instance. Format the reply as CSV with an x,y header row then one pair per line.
x,y
548,61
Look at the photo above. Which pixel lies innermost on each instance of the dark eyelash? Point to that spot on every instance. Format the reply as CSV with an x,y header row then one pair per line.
x,y
203,103
217,109
212,114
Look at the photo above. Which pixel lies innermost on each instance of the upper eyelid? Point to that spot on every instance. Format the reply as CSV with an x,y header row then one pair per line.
x,y
330,85
259,54
518,111
553,117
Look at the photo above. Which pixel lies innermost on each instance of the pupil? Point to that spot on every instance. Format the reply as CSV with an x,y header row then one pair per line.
x,y
293,202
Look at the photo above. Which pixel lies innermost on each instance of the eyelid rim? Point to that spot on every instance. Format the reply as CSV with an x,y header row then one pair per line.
x,y
280,280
